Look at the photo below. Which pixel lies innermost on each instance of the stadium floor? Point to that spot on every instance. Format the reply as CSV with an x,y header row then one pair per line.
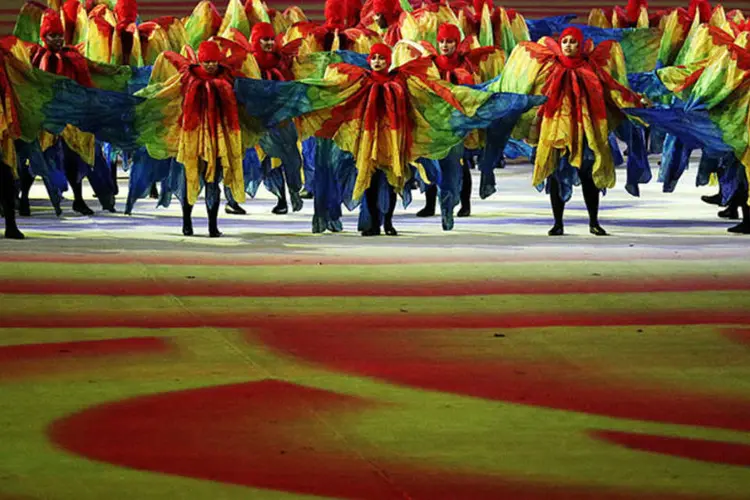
x,y
484,363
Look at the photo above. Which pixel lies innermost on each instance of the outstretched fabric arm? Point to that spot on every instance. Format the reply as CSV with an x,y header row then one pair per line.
x,y
50,102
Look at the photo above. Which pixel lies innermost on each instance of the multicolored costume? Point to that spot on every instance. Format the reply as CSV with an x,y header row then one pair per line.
x,y
586,89
386,119
460,64
114,37
35,100
193,117
338,32
73,152
714,116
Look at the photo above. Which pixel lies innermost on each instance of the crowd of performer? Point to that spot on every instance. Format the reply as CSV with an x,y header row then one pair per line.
x,y
378,101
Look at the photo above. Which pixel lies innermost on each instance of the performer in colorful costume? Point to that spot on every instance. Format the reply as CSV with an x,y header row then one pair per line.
x,y
713,115
386,119
586,89
275,63
203,23
634,15
338,32
381,16
458,64
10,130
34,100
705,45
74,150
193,117
115,38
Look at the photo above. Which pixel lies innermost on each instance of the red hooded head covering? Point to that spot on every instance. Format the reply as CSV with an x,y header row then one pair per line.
x,y
353,9
382,50
479,5
267,61
702,7
51,24
387,8
448,31
260,31
209,51
574,61
633,9
335,13
126,11
70,10
742,26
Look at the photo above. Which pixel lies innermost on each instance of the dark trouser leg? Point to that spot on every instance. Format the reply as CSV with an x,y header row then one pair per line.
x,y
113,175
71,173
278,178
8,201
187,218
744,226
371,199
27,180
430,196
388,222
213,200
558,206
466,186
732,212
591,196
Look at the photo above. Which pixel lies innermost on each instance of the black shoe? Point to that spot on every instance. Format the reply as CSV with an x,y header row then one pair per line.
x,y
426,212
597,230
557,230
281,208
234,208
296,200
214,232
13,233
712,200
741,228
465,211
24,207
731,213
187,228
82,208
375,231
390,230
305,195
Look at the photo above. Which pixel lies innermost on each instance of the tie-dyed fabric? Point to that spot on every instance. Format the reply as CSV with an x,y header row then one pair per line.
x,y
585,99
35,100
193,117
386,121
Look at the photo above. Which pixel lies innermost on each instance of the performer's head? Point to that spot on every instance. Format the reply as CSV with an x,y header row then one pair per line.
x,y
571,40
479,6
335,13
385,12
263,38
51,31
126,11
380,58
448,38
209,56
353,9
633,9
701,7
